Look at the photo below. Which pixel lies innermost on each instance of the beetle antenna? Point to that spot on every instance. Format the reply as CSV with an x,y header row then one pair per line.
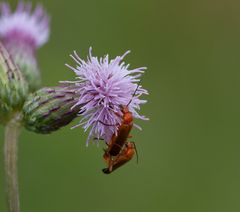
x,y
134,93
110,125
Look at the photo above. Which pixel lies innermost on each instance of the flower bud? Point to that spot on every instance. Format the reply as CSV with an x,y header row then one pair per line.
x,y
13,87
27,62
49,109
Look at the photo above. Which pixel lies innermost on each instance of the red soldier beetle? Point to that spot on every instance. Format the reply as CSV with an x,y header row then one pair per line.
x,y
116,154
126,155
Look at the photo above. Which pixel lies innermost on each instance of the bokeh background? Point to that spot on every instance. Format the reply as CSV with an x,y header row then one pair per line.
x,y
189,150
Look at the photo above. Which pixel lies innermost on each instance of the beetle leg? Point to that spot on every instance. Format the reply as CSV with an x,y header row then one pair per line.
x,y
110,164
135,148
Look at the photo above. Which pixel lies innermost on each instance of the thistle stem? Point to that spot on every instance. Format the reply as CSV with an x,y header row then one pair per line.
x,y
10,160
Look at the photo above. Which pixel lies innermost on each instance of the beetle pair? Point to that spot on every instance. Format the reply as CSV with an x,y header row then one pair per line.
x,y
120,150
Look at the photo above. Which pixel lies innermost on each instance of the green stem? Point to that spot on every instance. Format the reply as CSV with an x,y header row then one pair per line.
x,y
10,156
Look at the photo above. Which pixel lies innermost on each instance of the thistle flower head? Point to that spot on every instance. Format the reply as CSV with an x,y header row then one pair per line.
x,y
24,26
22,32
104,86
13,87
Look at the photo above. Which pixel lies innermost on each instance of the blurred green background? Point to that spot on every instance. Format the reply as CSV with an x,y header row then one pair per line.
x,y
189,150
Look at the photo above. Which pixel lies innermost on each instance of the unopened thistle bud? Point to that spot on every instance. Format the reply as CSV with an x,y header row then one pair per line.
x,y
22,32
49,109
13,87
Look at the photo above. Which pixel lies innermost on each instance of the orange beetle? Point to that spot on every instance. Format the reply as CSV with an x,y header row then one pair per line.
x,y
117,141
116,153
126,155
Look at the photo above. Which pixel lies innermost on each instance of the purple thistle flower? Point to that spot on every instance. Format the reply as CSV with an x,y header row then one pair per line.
x,y
23,26
104,86
22,32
